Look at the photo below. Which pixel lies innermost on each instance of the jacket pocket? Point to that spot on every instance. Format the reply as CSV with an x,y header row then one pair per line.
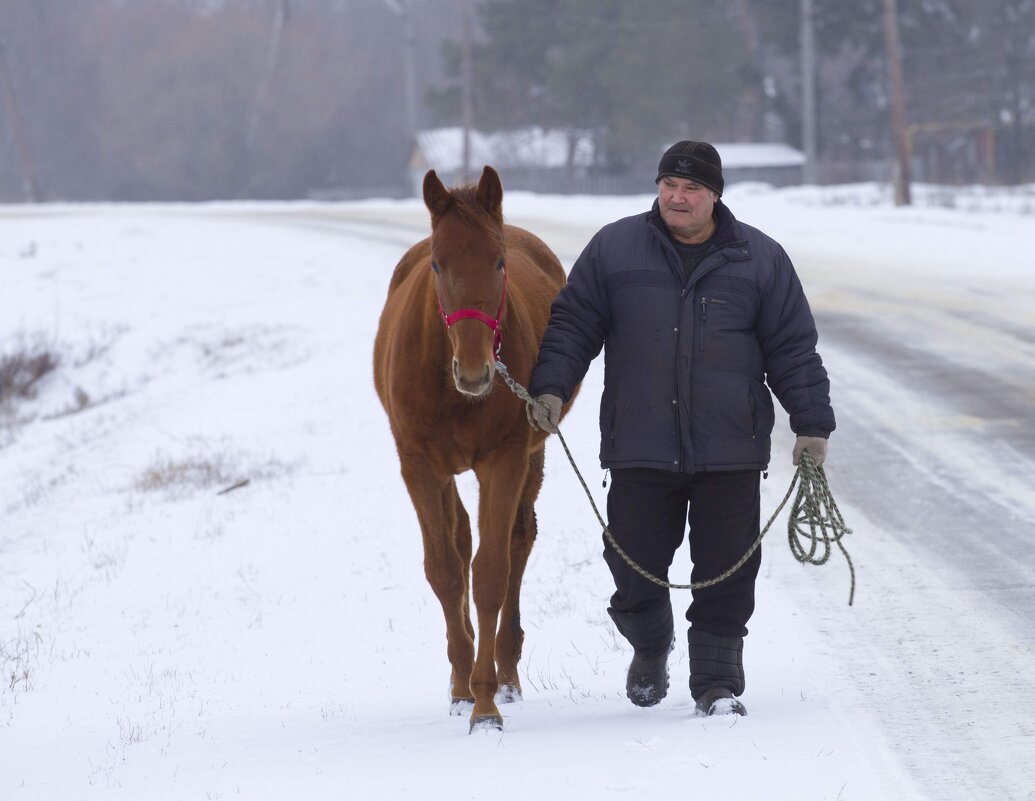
x,y
703,317
608,414
760,404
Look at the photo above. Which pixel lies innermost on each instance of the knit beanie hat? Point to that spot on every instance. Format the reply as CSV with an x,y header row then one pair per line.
x,y
695,161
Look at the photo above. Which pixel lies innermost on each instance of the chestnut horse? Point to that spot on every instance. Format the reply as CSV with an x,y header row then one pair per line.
x,y
474,291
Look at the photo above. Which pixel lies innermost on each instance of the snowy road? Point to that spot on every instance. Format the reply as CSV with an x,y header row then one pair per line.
x,y
939,452
281,642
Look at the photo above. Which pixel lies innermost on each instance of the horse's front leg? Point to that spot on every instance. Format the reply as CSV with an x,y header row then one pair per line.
x,y
510,637
501,478
446,565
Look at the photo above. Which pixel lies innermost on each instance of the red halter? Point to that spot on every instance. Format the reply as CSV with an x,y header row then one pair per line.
x,y
475,314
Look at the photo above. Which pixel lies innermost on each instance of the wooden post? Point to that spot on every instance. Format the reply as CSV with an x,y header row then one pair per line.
x,y
901,172
808,92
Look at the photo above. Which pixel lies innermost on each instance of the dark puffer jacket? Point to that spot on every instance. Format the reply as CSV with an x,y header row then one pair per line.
x,y
686,363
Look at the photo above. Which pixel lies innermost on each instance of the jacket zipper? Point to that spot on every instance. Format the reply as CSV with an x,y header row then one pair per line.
x,y
704,319
678,400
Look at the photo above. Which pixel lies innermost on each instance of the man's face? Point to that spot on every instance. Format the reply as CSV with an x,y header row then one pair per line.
x,y
686,207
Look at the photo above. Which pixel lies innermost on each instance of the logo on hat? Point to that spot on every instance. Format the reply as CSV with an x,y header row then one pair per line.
x,y
683,165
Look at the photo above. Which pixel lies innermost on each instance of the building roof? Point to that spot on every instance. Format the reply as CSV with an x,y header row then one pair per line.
x,y
442,148
736,155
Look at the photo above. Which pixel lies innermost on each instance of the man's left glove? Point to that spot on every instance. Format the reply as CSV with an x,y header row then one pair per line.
x,y
816,446
546,412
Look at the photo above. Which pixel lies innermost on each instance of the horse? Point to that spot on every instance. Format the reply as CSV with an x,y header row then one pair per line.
x,y
476,291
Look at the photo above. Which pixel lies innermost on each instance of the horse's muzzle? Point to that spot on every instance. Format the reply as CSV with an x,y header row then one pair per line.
x,y
476,385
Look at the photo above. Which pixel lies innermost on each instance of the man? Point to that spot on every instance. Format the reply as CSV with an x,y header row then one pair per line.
x,y
696,312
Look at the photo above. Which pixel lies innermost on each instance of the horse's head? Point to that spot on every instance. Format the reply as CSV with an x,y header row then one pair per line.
x,y
470,275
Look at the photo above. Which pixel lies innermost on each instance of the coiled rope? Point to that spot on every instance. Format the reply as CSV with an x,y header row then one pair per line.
x,y
814,525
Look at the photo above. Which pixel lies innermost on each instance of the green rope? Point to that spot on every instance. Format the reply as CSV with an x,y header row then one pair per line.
x,y
813,507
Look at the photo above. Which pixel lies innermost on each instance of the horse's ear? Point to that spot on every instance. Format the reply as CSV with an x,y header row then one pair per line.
x,y
490,192
436,196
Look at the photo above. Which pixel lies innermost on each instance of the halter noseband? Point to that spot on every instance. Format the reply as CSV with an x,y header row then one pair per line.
x,y
476,314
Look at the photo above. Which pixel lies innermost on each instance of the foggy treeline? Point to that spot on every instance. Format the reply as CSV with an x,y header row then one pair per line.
x,y
198,99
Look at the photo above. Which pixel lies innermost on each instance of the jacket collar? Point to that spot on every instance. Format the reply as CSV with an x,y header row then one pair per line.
x,y
726,228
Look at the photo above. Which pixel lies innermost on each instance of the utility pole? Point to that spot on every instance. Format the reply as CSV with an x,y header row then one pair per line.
x,y
901,171
14,113
807,33
465,87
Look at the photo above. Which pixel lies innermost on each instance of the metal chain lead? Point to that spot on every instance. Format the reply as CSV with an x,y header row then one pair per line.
x,y
813,506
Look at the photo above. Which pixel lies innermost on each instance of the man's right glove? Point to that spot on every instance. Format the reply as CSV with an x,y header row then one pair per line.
x,y
816,446
546,412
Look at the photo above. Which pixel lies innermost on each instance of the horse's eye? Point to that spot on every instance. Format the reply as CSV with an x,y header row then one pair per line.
x,y
500,263
434,266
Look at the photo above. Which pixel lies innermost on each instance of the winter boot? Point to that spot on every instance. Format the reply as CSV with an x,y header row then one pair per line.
x,y
719,701
716,672
647,681
650,634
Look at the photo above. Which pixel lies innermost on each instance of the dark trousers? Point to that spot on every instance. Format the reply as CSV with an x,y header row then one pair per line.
x,y
647,513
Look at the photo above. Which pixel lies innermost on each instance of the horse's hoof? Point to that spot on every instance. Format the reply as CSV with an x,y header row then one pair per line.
x,y
508,694
460,706
486,723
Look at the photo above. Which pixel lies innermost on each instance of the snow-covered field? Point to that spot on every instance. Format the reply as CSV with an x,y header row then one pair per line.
x,y
160,640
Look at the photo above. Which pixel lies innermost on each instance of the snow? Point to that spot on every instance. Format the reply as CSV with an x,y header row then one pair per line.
x,y
159,640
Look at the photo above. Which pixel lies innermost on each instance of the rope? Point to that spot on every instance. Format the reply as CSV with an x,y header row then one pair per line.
x,y
813,507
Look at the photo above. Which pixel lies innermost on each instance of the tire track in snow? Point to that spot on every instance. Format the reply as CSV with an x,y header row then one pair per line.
x,y
939,458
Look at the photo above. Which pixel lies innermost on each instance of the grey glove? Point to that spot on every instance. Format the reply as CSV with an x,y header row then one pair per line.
x,y
545,413
816,446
